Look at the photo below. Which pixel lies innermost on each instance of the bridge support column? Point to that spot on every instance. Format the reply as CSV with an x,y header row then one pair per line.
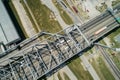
x,y
70,37
41,59
35,71
28,65
18,73
26,78
60,53
52,58
68,45
13,73
82,35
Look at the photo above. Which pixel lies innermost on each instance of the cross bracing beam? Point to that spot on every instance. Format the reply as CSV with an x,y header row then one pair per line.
x,y
13,73
18,72
38,59
16,58
4,72
45,56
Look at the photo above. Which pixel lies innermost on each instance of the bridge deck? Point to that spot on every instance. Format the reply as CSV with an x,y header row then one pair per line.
x,y
45,57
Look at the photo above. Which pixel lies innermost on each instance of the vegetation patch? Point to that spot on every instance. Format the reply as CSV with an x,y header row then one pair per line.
x,y
63,14
115,56
79,71
115,2
29,15
83,14
101,69
112,36
59,76
66,76
101,8
43,16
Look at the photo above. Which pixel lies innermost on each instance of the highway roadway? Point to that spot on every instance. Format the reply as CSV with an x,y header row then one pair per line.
x,y
97,20
39,60
85,27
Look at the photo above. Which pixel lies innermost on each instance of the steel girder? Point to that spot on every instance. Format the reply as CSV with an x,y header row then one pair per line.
x,y
43,57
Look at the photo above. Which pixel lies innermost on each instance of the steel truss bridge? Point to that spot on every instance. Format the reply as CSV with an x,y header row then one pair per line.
x,y
42,58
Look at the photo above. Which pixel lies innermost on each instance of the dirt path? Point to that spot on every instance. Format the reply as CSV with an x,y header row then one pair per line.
x,y
89,67
53,8
70,74
65,70
24,18
32,16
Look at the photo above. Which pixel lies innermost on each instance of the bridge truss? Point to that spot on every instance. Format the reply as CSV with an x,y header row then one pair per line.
x,y
44,57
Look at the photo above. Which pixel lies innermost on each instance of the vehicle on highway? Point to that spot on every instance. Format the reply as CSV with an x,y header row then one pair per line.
x,y
74,8
100,30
